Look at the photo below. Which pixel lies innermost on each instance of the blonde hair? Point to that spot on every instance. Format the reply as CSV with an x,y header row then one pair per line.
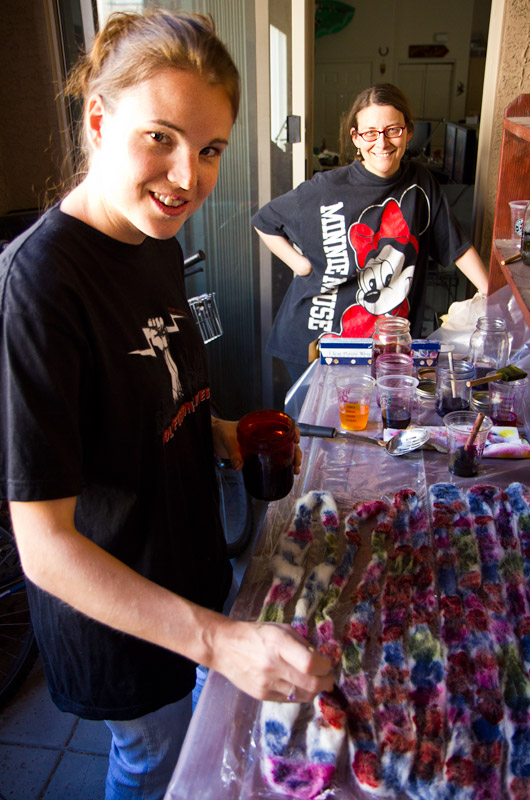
x,y
132,47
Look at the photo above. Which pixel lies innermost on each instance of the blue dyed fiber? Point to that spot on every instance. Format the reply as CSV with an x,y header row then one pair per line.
x,y
520,761
323,757
426,673
446,579
490,573
393,653
486,732
274,727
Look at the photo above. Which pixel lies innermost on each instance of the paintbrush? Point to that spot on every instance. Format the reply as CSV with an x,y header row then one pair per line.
x,y
474,432
509,373
511,259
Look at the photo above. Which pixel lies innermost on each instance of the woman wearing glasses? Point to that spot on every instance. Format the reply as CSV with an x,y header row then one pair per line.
x,y
358,238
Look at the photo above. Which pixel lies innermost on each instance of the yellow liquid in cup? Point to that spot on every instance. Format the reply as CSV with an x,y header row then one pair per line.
x,y
353,416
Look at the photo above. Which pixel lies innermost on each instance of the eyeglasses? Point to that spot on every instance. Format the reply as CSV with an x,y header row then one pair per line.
x,y
390,133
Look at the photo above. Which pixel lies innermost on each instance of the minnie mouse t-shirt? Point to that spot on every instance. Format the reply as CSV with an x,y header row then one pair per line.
x,y
369,240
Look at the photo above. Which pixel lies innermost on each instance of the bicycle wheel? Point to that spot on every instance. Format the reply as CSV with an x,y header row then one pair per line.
x,y
236,508
18,649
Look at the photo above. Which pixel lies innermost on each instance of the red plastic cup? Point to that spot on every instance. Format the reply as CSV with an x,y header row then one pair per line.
x,y
266,441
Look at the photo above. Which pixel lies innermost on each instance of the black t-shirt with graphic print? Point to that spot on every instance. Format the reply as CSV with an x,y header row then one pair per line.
x,y
369,240
105,397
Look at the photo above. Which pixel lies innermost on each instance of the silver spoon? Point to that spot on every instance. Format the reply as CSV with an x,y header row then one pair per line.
x,y
403,442
406,441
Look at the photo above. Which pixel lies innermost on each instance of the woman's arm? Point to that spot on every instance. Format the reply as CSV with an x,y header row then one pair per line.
x,y
263,660
473,268
278,245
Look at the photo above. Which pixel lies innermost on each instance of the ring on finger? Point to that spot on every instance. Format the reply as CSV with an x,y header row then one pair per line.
x,y
291,697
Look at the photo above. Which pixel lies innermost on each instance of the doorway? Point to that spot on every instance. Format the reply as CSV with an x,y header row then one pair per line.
x,y
434,52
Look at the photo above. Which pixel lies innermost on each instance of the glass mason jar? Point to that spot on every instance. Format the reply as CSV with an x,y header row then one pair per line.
x,y
391,335
266,439
451,392
489,346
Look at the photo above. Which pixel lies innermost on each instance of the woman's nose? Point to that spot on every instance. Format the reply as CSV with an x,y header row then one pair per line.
x,y
183,170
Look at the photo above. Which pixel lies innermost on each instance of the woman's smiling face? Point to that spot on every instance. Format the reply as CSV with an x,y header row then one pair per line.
x,y
156,155
383,156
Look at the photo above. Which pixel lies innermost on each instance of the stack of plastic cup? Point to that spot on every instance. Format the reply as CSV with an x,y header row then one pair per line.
x,y
392,364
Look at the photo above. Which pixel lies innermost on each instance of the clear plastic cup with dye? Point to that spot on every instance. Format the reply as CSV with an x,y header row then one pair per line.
x,y
396,397
506,401
354,395
464,451
266,440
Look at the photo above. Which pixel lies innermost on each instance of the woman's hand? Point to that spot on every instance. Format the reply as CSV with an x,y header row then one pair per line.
x,y
270,661
285,251
226,445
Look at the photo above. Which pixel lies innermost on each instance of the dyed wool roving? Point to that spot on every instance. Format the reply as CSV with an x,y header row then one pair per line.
x,y
329,712
318,581
426,658
392,685
287,563
474,753
449,716
447,503
353,683
485,629
305,772
520,739
511,514
503,566
286,764
520,506
326,731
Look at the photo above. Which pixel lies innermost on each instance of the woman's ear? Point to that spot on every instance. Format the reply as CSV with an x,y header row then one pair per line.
x,y
95,116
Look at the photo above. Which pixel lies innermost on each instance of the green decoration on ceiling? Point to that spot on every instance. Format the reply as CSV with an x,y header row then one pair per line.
x,y
331,16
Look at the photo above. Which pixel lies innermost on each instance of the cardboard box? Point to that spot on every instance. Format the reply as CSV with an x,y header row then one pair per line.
x,y
342,350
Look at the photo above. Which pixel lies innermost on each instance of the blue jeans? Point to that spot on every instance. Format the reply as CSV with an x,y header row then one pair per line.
x,y
144,752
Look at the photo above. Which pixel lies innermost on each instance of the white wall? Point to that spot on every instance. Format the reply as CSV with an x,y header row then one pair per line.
x,y
374,47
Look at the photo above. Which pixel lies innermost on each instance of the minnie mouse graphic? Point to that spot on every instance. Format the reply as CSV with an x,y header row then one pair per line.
x,y
385,261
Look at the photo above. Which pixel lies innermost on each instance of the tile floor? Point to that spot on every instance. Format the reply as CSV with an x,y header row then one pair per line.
x,y
46,754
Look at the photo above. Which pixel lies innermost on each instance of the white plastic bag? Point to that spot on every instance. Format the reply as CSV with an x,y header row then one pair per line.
x,y
459,322
462,315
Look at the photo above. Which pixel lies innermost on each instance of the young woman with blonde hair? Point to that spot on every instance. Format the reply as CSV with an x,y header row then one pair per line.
x,y
107,438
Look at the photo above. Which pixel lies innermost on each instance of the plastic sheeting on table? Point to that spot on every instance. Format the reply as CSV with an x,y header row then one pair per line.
x,y
220,757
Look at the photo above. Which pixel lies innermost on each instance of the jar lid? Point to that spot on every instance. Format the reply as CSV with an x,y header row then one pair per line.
x,y
480,402
426,389
427,373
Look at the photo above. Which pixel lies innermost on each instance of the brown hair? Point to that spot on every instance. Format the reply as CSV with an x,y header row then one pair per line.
x,y
381,94
132,47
